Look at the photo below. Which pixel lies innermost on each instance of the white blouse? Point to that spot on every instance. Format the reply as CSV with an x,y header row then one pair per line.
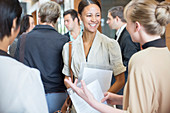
x,y
104,51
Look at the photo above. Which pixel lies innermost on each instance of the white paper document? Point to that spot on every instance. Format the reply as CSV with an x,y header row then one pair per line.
x,y
103,74
98,81
82,106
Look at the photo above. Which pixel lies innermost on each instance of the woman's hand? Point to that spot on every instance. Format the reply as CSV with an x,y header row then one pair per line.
x,y
83,92
112,98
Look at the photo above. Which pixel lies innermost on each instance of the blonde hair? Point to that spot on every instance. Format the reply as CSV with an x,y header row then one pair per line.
x,y
152,15
49,12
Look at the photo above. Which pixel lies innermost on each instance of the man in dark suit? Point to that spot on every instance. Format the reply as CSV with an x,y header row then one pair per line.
x,y
128,47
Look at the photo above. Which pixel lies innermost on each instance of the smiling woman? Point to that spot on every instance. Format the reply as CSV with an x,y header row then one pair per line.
x,y
91,17
94,47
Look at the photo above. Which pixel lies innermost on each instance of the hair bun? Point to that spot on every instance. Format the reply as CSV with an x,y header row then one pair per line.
x,y
162,13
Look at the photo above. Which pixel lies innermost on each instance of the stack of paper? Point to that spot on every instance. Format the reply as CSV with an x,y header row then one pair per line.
x,y
98,81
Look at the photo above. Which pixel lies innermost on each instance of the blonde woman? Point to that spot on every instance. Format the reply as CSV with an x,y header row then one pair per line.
x,y
147,88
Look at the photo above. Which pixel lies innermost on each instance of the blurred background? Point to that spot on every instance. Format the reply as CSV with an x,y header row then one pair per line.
x,y
32,7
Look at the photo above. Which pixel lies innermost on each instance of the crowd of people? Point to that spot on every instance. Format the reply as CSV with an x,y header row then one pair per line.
x,y
35,75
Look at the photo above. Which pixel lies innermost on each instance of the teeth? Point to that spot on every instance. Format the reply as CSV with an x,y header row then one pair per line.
x,y
92,25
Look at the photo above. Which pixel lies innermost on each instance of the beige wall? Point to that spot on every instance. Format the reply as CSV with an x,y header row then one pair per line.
x,y
168,33
168,36
76,3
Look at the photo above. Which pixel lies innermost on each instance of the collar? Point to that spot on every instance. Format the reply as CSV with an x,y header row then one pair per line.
x,y
44,27
93,49
155,43
119,31
3,53
80,35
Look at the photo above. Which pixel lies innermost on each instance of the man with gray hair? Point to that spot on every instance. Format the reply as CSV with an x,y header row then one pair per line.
x,y
128,48
43,50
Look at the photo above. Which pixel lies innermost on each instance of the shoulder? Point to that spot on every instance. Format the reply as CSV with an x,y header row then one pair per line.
x,y
125,35
17,73
111,44
107,42
67,34
62,37
66,45
76,44
105,39
47,33
140,58
16,67
58,36
14,43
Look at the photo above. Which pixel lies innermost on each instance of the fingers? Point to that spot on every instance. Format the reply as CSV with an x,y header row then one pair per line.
x,y
73,86
106,93
83,84
87,95
75,82
85,90
67,80
105,97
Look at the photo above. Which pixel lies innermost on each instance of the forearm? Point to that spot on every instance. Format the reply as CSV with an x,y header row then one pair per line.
x,y
66,84
103,108
119,83
116,87
119,100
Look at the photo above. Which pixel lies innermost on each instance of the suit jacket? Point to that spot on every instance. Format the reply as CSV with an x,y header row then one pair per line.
x,y
128,47
67,34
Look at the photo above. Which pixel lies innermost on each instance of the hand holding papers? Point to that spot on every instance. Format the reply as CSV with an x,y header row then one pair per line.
x,y
98,81
87,93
